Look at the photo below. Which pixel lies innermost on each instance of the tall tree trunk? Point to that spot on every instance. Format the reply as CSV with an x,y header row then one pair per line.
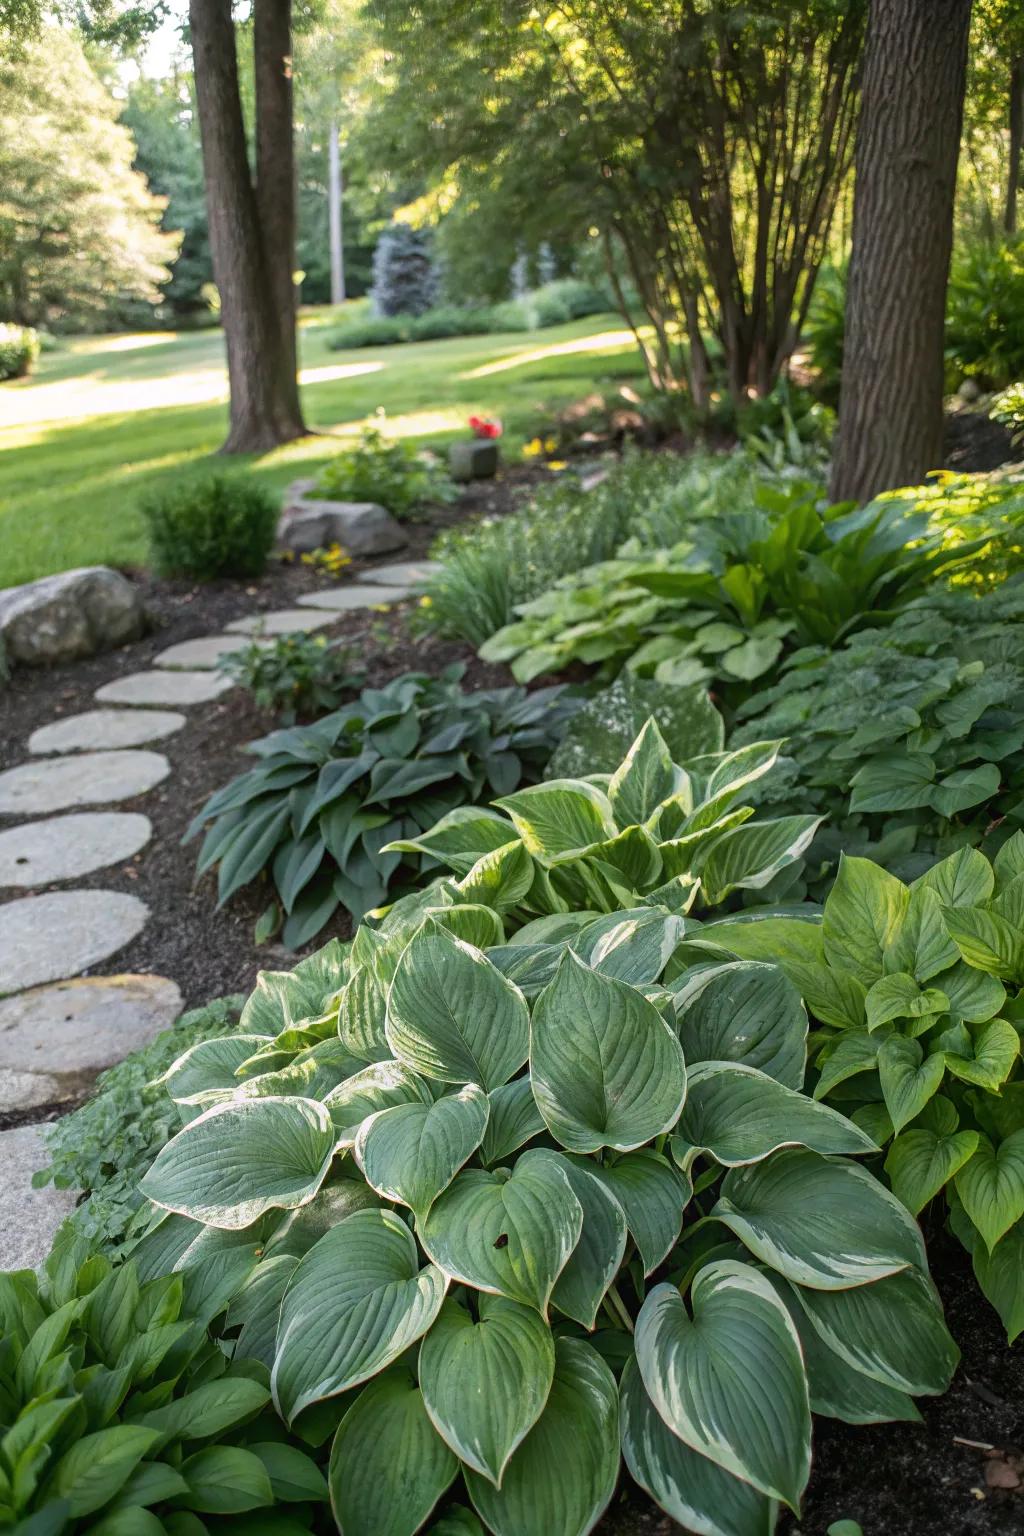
x,y
908,140
1016,145
251,236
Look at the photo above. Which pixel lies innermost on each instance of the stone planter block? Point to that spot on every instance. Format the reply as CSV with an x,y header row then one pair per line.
x,y
477,459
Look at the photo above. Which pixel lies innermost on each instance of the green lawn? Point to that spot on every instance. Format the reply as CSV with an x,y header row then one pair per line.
x,y
106,418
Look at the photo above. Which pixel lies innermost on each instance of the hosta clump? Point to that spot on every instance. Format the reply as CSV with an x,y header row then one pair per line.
x,y
327,797
502,1237
917,990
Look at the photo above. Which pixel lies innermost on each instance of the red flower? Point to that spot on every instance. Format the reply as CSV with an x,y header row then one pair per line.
x,y
482,426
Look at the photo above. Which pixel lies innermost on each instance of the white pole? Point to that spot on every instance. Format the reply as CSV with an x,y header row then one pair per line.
x,y
334,217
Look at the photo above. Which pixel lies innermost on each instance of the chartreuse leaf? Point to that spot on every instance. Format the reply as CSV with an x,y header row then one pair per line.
x,y
606,1069
97,1466
380,1086
452,1016
242,1158
823,1223
1000,1273
512,1121
469,921
459,838
560,817
500,879
863,914
561,1479
411,1152
921,945
644,780
389,1466
834,997
996,1046
965,879
653,1196
972,994
892,1330
986,940
510,1233
357,1300
921,1162
581,1287
991,1186
746,1011
749,856
908,1077
740,1115
485,1383
699,1371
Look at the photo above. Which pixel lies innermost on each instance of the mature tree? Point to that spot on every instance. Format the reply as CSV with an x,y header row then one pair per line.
x,y
79,229
251,216
890,404
995,93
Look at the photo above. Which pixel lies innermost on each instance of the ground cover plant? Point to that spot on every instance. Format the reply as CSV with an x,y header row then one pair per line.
x,y
217,525
293,676
394,473
325,798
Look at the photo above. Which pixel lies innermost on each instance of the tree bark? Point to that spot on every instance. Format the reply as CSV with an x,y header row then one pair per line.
x,y
1016,145
252,234
908,141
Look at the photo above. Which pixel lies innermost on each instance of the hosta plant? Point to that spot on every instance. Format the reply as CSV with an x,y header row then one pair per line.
x,y
917,994
501,1239
325,798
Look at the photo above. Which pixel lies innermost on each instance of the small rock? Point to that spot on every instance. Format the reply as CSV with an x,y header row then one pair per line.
x,y
29,1217
286,621
97,730
76,613
204,654
340,599
165,687
50,937
65,847
310,522
28,1090
969,391
405,573
91,778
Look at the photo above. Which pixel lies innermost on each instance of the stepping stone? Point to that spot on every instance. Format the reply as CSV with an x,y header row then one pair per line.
x,y
204,653
29,1217
403,574
92,778
64,847
54,1040
98,730
165,687
343,598
286,621
52,937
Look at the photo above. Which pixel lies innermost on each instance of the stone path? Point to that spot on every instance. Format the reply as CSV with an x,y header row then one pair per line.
x,y
59,1028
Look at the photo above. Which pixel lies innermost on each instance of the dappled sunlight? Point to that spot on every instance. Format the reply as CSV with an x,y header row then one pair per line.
x,y
603,341
133,343
331,371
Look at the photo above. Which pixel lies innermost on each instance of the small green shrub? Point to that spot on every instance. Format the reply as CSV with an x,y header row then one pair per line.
x,y
554,303
985,313
220,525
293,676
394,473
370,331
20,346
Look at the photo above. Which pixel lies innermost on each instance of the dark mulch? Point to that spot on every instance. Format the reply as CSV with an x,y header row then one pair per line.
x,y
975,444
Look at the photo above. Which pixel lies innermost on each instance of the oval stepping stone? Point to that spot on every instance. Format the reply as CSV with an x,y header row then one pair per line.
x,y
165,687
403,573
29,1217
91,778
343,598
28,1090
203,653
98,730
51,937
64,847
285,621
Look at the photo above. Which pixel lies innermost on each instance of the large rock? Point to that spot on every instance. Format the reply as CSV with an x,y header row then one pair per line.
x,y
309,522
74,614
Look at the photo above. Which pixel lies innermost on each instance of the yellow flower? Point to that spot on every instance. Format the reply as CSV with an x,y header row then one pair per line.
x,y
533,449
425,602
557,464
550,444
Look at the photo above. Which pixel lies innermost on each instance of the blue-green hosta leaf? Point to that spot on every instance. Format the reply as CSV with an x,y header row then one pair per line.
x,y
389,1466
411,1152
828,1224
863,914
458,839
300,1229
921,1162
740,1115
633,946
892,1330
691,1489
561,1479
606,1069
653,1196
485,1383
595,1260
377,1087
995,1048
898,996
362,1014
986,941
512,1121
452,1016
748,1012
748,857
242,1158
909,1078
964,879
557,819
205,1073
1001,1276
991,1186
500,879
707,1375
257,1305
644,779
507,1233
356,1301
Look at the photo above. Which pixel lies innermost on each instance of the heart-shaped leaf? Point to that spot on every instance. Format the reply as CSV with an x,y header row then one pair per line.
x,y
389,1466
653,1196
921,1162
595,1260
644,779
863,913
995,1048
745,1011
909,1078
379,1086
892,1330
991,1186
411,1152
1001,1276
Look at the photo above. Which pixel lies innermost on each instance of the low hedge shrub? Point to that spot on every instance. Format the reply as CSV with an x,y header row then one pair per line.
x,y
20,346
218,525
554,303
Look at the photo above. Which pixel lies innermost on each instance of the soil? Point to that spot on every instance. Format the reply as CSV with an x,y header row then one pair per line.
x,y
975,444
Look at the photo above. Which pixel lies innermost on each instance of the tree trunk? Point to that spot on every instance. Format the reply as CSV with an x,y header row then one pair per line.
x,y
1016,145
908,140
251,237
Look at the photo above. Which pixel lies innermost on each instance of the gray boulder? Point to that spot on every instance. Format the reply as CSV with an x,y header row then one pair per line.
x,y
74,614
309,522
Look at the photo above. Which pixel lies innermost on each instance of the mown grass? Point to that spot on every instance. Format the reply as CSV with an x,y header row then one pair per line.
x,y
106,419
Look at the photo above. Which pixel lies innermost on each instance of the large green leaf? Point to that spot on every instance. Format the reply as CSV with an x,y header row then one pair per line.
x,y
963,880
909,1078
98,1465
560,817
1001,1276
362,1015
595,1260
824,1223
561,1479
653,1196
356,1301
606,1069
380,1086
892,1330
389,1466
922,1161
485,1383
242,1158
991,1186
508,1233
863,914
512,1121
206,1071
730,1380
689,1487
748,857
452,1016
741,1115
987,941
644,779
994,1048
745,1011
411,1152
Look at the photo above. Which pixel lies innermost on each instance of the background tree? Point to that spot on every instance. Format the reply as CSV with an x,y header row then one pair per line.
x,y
890,404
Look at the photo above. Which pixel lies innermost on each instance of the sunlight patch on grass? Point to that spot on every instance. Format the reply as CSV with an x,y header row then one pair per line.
x,y
604,341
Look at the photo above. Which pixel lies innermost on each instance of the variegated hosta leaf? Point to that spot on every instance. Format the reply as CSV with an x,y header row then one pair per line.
x,y
689,1487
607,1071
356,1302
818,1222
362,1013
299,1230
205,1074
644,779
740,1116
242,1158
748,857
653,1196
746,1011
452,1016
560,817
595,1260
730,1381
513,1120
634,945
469,921
561,1479
459,838
389,1466
380,1086
411,1152
508,1233
485,1383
